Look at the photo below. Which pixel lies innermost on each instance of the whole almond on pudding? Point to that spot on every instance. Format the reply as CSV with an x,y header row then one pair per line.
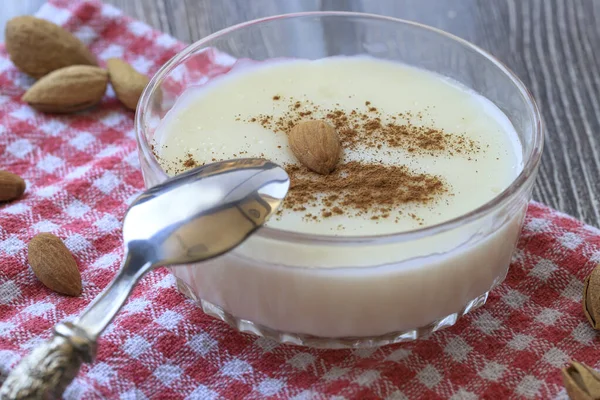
x,y
316,145
11,186
38,47
68,89
127,82
54,265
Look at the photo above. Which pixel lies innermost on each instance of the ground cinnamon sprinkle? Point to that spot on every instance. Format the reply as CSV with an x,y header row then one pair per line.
x,y
189,161
371,128
356,188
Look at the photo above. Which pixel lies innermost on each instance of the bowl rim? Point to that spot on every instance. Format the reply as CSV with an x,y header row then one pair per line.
x,y
527,173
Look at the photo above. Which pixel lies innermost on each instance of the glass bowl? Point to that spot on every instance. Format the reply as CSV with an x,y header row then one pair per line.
x,y
275,284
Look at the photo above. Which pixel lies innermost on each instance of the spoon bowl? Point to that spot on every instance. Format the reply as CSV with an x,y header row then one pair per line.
x,y
204,212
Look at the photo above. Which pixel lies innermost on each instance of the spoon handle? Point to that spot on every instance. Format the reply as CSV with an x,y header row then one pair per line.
x,y
47,371
50,368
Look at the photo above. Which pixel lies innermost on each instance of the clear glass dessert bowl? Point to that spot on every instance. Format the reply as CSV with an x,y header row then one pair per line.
x,y
352,291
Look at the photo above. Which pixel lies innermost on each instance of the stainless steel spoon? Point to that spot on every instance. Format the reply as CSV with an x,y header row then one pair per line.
x,y
192,217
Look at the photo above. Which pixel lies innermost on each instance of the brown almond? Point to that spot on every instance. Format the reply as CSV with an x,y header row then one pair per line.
x,y
591,298
54,265
68,89
316,145
581,381
127,82
38,47
11,186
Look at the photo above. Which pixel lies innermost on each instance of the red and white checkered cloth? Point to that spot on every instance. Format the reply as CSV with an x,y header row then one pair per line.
x,y
82,171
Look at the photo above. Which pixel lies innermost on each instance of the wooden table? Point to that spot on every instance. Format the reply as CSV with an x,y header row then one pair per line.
x,y
552,45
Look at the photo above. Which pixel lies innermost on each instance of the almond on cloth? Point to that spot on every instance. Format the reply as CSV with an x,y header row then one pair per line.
x,y
581,381
127,82
316,145
591,298
38,47
68,89
53,264
11,186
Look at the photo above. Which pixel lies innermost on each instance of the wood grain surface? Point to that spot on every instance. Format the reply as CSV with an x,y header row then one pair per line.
x,y
552,45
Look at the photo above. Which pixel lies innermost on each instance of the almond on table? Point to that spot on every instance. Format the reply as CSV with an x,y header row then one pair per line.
x,y
127,82
68,89
11,186
37,46
581,381
53,264
591,298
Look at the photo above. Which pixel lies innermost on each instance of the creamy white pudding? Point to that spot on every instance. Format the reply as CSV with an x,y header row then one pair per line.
x,y
213,122
436,151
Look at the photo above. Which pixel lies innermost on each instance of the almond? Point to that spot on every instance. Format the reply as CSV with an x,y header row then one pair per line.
x,y
54,265
127,82
68,89
11,186
38,47
591,298
316,145
581,381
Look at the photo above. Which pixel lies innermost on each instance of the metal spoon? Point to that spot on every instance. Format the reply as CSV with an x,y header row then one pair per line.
x,y
192,217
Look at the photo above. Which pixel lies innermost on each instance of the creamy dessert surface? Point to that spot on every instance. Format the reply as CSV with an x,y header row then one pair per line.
x,y
427,149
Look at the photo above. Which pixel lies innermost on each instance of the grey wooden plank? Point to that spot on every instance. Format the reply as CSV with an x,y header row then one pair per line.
x,y
550,44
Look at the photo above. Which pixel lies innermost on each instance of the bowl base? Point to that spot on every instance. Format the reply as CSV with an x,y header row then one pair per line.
x,y
243,325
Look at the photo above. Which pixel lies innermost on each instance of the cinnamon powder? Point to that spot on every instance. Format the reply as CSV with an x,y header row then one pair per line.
x,y
189,162
370,128
356,188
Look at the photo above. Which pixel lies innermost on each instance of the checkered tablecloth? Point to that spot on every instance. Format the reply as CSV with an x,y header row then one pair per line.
x,y
82,171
